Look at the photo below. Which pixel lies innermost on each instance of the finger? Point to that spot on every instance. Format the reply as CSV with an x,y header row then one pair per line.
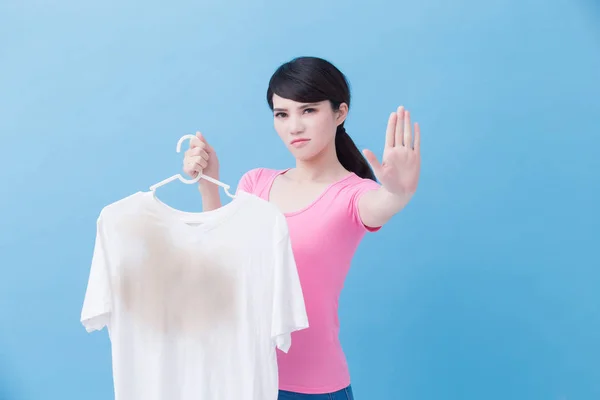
x,y
202,138
192,162
391,127
190,168
399,131
198,151
417,137
195,142
191,172
407,132
194,169
203,154
198,161
372,160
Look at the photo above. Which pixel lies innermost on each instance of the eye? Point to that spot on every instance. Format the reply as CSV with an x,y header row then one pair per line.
x,y
280,114
309,110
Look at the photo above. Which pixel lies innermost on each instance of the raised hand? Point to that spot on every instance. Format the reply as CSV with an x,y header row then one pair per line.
x,y
400,167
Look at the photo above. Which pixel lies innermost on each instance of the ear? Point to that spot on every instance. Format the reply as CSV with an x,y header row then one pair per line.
x,y
342,113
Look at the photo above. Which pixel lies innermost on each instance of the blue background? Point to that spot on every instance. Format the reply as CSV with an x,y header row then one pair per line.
x,y
484,287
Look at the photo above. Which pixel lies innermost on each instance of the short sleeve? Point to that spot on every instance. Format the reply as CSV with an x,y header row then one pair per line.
x,y
358,189
246,182
97,304
289,312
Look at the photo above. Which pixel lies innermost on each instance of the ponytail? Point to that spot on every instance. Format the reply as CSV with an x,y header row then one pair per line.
x,y
350,156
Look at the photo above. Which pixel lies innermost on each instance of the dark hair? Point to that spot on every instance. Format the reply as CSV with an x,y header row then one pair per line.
x,y
311,80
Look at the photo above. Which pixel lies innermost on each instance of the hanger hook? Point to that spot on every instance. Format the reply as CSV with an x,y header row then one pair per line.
x,y
179,143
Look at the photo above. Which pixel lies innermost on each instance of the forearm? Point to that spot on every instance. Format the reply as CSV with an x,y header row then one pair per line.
x,y
211,198
377,207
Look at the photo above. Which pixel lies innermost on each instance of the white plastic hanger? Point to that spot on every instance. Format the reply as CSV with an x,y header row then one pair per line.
x,y
189,181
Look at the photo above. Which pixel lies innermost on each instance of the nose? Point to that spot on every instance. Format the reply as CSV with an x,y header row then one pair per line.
x,y
296,126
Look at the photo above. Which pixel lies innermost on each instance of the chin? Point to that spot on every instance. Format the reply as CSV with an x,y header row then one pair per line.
x,y
301,153
304,155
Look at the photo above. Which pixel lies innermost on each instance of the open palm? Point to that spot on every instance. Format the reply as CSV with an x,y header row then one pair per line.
x,y
400,167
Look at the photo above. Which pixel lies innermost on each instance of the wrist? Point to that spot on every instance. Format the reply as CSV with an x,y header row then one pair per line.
x,y
207,188
398,199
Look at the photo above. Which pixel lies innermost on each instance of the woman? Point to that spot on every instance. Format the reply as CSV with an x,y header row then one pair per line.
x,y
330,199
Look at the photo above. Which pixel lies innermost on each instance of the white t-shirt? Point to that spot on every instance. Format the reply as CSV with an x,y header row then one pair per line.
x,y
194,303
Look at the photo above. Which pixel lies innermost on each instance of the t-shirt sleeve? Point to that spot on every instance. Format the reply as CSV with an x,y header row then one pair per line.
x,y
97,304
247,181
359,189
289,312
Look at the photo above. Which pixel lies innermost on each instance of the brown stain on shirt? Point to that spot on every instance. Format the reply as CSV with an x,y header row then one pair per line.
x,y
170,288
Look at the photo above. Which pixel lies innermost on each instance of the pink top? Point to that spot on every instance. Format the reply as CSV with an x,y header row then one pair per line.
x,y
324,237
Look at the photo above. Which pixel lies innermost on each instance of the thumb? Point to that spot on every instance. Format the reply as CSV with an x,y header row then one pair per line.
x,y
372,159
201,137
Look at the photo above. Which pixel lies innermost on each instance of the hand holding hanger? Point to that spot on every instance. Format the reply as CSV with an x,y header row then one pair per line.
x,y
201,158
199,175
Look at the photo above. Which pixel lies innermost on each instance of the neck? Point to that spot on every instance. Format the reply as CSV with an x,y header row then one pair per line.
x,y
325,166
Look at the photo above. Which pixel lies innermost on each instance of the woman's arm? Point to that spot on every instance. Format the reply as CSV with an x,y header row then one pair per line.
x,y
377,207
398,172
211,197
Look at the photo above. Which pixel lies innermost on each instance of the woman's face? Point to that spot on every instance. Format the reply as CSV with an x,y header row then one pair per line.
x,y
306,128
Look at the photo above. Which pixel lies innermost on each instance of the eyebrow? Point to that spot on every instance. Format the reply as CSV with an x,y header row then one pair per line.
x,y
301,107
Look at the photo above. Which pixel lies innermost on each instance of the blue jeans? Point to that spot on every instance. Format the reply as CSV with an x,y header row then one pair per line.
x,y
343,394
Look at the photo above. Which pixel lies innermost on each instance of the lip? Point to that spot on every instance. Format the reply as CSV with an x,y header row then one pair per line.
x,y
298,142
